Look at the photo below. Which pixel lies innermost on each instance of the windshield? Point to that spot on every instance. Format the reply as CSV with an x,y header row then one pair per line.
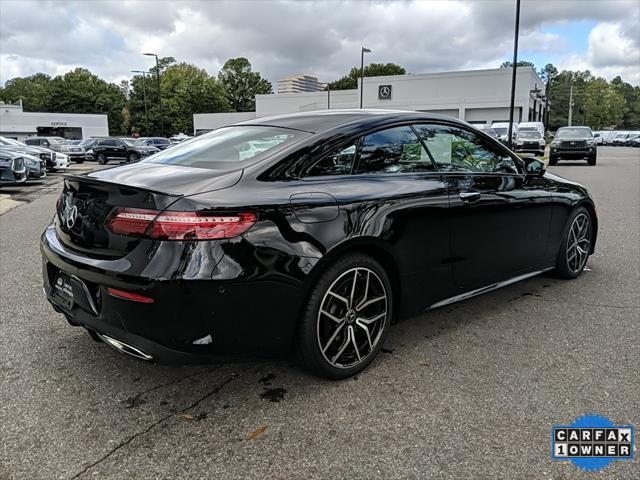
x,y
500,130
132,142
57,140
527,134
229,147
87,142
574,133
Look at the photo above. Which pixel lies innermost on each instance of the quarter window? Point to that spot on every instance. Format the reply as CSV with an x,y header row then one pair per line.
x,y
395,150
455,149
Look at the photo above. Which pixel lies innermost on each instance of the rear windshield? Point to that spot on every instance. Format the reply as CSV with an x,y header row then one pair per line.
x,y
574,133
229,148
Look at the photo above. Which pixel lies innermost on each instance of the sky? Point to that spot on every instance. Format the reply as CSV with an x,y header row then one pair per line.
x,y
320,38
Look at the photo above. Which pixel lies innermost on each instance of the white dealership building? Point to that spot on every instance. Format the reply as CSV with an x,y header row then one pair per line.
x,y
476,96
18,124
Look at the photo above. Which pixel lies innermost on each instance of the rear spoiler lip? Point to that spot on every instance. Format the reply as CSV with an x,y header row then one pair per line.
x,y
96,181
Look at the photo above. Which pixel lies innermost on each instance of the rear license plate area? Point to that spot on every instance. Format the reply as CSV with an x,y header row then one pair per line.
x,y
62,290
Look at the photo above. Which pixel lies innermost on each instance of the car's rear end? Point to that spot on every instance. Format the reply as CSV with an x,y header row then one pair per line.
x,y
143,259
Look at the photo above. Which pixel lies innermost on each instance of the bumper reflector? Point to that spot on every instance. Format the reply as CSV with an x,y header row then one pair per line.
x,y
134,297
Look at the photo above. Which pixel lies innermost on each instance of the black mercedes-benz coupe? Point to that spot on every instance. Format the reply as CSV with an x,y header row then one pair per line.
x,y
312,231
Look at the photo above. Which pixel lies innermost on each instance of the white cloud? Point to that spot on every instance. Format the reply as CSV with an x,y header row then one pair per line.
x,y
613,49
321,38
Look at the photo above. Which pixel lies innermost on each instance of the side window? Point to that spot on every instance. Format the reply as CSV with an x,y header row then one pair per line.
x,y
339,162
455,149
107,143
395,150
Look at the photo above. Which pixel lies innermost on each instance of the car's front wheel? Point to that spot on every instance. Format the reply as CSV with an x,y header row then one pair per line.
x,y
553,160
576,245
347,317
591,160
79,160
133,157
102,159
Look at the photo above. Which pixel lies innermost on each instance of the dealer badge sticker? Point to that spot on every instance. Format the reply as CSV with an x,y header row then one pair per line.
x,y
592,442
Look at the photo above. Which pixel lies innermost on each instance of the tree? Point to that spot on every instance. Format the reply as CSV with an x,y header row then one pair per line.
x,y
560,93
603,106
548,73
242,85
631,94
80,91
519,63
34,91
350,81
186,89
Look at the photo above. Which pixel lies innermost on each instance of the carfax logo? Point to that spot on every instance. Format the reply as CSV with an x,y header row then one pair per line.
x,y
592,442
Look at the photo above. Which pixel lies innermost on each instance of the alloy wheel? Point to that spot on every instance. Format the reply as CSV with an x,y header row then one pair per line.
x,y
352,317
578,243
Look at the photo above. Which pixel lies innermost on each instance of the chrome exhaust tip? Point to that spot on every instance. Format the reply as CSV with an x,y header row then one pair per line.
x,y
125,348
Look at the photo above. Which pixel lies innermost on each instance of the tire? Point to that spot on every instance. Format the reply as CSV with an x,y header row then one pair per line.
x,y
79,160
102,159
553,160
569,266
592,160
132,157
350,327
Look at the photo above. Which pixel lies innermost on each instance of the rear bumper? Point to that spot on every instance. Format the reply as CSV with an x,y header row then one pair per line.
x,y
234,310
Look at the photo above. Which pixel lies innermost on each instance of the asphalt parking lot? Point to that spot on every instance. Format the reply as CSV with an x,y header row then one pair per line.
x,y
466,391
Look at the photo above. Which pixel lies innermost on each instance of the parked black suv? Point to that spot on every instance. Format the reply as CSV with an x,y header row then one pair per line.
x,y
128,149
573,143
158,142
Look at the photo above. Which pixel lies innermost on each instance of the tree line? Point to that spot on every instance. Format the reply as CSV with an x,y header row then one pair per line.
x,y
187,89
597,103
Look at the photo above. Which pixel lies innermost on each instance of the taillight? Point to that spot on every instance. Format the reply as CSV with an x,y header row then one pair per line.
x,y
170,225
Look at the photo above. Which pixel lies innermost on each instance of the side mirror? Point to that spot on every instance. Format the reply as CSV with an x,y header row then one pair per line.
x,y
533,167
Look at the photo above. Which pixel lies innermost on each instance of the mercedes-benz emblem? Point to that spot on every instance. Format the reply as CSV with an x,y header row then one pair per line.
x,y
384,92
70,217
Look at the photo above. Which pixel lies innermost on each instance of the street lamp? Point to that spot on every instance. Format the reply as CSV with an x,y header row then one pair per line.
x,y
362,52
144,94
159,94
514,70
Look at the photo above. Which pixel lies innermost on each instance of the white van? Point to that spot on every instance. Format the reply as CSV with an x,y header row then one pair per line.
x,y
532,126
502,130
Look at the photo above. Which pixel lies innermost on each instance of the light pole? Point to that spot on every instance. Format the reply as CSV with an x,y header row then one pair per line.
x,y
362,52
144,94
159,93
513,75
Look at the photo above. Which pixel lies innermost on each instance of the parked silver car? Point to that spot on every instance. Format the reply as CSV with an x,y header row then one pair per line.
x,y
59,144
12,169
36,167
45,154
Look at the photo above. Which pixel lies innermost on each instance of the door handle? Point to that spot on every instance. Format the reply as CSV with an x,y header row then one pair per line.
x,y
469,197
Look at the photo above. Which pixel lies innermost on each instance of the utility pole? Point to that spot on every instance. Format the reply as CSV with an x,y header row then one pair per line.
x,y
328,97
513,75
570,103
159,91
144,95
362,52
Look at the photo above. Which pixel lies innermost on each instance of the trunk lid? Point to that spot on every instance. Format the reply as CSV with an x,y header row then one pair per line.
x,y
87,201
